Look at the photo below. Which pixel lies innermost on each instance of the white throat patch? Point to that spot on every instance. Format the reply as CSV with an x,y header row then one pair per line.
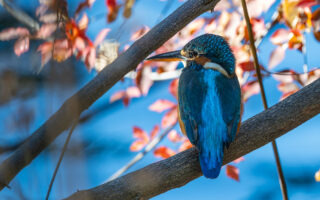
x,y
215,66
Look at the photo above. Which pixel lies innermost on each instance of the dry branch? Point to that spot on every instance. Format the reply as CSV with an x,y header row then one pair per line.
x,y
110,75
180,169
20,15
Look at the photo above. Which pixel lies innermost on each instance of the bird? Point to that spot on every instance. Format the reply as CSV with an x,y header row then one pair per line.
x,y
209,98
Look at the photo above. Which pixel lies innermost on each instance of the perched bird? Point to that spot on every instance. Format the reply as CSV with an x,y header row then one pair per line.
x,y
209,98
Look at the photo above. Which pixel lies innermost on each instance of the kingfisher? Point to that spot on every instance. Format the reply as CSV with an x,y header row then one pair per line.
x,y
209,98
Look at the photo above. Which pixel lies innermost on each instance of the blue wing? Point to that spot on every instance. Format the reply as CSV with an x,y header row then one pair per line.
x,y
209,109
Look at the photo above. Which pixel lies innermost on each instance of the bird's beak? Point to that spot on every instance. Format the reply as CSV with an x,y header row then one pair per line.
x,y
167,57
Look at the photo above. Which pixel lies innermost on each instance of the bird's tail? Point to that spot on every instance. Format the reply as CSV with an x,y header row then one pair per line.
x,y
210,163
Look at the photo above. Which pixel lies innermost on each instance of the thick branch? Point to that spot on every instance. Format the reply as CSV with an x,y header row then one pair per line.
x,y
180,169
20,15
111,74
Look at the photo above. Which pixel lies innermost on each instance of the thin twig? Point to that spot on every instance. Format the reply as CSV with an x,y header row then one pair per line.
x,y
264,99
61,157
20,15
151,145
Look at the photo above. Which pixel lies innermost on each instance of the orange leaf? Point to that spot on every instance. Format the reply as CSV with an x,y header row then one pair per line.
x,y
46,52
90,59
21,46
174,136
139,33
232,172
185,145
249,89
137,145
140,134
133,92
161,105
173,87
276,57
163,152
83,22
317,176
238,160
113,9
117,96
100,37
154,131
280,36
143,80
46,30
62,50
290,12
13,33
170,118
127,8
247,66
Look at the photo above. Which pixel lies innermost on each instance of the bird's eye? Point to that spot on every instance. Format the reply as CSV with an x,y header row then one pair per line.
x,y
193,54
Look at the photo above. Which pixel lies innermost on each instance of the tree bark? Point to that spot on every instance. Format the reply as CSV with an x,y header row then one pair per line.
x,y
110,75
182,168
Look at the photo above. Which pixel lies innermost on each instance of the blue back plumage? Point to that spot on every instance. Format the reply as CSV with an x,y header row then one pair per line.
x,y
209,104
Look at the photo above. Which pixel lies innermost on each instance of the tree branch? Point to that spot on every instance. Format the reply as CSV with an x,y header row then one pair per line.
x,y
20,15
109,76
182,168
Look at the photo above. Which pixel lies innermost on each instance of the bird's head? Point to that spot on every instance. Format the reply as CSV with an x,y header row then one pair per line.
x,y
208,50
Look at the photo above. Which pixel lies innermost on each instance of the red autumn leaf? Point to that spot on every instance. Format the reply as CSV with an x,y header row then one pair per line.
x,y
258,28
238,160
21,46
280,36
127,8
288,87
247,66
140,134
315,18
170,118
139,33
13,33
307,3
185,145
133,92
113,9
46,30
143,79
100,37
83,22
173,88
83,5
296,40
46,52
285,95
249,89
62,50
137,145
276,57
130,92
317,176
232,172
90,59
174,136
163,152
117,96
161,105
154,131
284,76
49,18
